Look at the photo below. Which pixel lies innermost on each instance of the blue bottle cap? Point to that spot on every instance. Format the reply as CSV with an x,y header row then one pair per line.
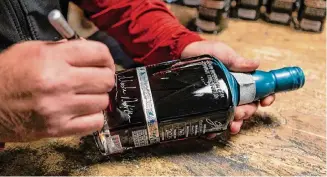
x,y
288,78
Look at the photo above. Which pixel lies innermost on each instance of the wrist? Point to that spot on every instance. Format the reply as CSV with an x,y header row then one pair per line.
x,y
178,48
198,48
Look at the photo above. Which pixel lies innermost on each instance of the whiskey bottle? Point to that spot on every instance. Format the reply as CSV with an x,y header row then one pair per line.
x,y
249,9
212,16
182,99
312,15
281,11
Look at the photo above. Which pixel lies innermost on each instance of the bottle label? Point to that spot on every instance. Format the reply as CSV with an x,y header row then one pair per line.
x,y
316,12
200,125
310,25
246,13
107,143
207,12
191,128
218,90
213,4
279,17
282,4
140,138
167,101
148,105
117,143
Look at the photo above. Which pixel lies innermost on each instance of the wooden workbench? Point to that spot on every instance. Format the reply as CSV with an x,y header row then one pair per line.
x,y
288,138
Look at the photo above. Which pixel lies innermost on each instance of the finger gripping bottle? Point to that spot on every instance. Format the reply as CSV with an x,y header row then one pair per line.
x,y
182,99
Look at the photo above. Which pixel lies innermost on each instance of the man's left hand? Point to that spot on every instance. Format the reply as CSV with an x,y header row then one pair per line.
x,y
233,62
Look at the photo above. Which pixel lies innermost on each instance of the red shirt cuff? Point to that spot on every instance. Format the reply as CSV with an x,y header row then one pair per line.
x,y
147,30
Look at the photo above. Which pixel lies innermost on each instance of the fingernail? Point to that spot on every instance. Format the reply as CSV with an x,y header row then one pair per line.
x,y
236,127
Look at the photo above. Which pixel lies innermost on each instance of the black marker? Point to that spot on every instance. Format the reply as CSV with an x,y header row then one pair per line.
x,y
59,22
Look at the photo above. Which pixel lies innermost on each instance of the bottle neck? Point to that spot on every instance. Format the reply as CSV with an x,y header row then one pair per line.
x,y
249,87
259,84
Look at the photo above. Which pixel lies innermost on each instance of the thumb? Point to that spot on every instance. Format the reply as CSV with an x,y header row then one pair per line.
x,y
239,64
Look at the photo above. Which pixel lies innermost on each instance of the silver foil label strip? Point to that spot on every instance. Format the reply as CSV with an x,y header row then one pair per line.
x,y
106,143
247,87
148,105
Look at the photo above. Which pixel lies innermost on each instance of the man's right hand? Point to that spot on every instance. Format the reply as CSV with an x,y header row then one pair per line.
x,y
53,89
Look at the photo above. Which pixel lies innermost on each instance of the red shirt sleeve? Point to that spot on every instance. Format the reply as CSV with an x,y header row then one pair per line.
x,y
146,29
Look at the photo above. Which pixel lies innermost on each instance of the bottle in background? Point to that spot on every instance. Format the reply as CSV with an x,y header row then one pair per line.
x,y
233,9
212,16
248,9
311,15
281,11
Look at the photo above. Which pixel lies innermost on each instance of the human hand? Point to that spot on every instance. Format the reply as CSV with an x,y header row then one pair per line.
x,y
233,62
53,89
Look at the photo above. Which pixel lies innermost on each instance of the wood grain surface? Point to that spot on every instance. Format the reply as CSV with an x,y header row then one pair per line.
x,y
287,138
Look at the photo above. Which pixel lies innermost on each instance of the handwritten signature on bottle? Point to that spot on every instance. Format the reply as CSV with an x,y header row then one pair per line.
x,y
216,125
127,103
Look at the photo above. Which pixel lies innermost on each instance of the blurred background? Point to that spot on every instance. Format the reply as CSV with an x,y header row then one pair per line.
x,y
257,29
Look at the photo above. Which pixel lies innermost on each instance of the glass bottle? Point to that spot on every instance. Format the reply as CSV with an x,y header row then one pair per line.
x,y
312,15
182,99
